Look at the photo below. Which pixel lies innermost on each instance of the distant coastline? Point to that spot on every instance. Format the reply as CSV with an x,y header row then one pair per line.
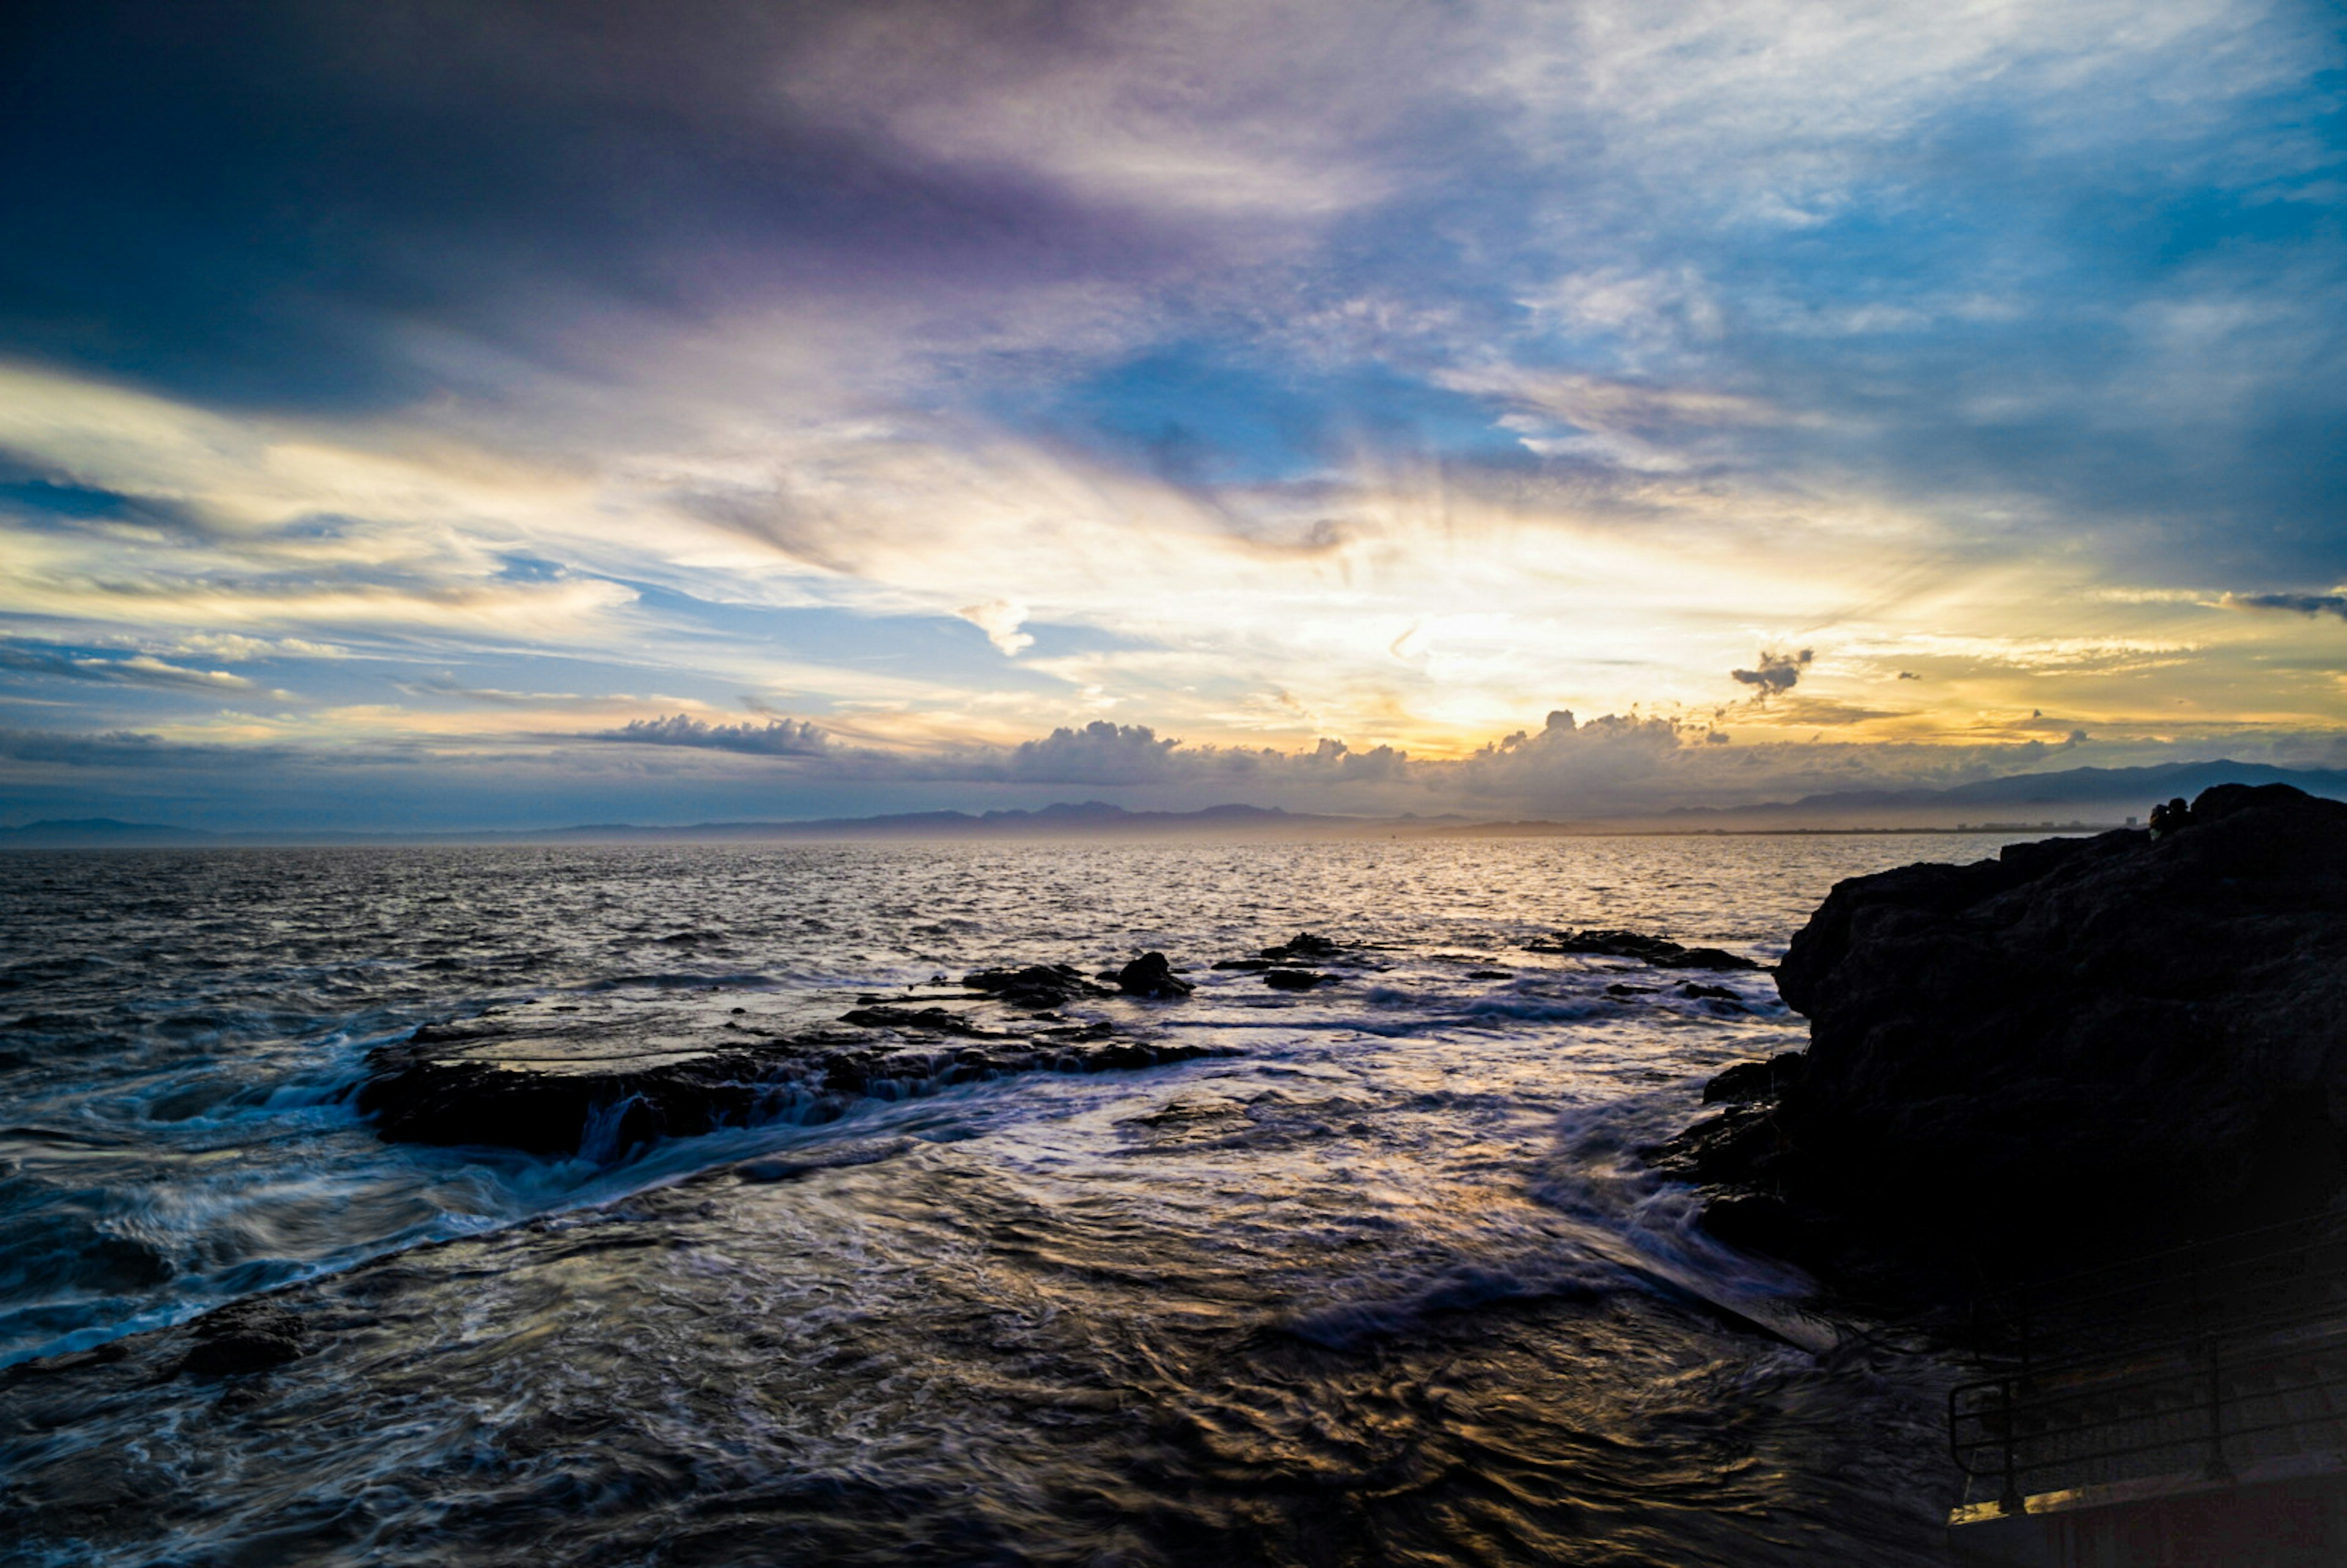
x,y
2074,801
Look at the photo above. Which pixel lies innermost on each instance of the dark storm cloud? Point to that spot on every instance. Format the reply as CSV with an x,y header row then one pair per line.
x,y
2301,603
2096,288
263,203
46,500
129,749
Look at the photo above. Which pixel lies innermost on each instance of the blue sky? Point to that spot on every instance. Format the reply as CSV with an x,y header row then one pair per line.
x,y
403,407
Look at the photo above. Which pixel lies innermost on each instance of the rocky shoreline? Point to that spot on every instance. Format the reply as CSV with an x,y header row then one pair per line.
x,y
2085,1047
569,1089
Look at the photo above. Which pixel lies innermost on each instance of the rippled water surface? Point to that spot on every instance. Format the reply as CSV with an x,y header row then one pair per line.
x,y
1388,1282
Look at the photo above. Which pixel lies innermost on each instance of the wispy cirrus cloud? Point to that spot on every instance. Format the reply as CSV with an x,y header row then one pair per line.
x,y
126,669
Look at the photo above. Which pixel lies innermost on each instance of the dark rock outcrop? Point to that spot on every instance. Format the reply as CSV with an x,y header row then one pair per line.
x,y
1295,979
2083,1045
244,1337
935,1020
554,1093
1303,947
1150,976
1661,952
1755,1080
1036,987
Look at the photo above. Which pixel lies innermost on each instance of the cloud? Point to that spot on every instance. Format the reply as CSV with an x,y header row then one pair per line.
x,y
132,749
496,697
2302,603
1616,765
1565,761
1100,753
137,670
774,738
1000,620
234,647
722,348
1778,672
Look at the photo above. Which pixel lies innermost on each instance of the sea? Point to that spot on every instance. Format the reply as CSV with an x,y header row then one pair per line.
x,y
1387,1280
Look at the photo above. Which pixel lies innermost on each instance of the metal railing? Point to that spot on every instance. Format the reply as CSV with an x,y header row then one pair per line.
x,y
2188,1361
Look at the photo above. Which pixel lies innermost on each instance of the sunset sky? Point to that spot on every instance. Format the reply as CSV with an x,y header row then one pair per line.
x,y
496,415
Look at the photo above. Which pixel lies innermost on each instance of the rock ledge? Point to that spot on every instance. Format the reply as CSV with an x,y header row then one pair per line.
x,y
2084,1045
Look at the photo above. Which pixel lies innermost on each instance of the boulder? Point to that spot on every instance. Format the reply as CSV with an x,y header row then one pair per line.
x,y
1150,976
1295,979
1035,987
2090,1044
1302,946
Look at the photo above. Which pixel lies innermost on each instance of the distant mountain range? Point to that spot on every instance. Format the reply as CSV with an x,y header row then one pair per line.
x,y
2130,791
2108,794
92,832
2071,798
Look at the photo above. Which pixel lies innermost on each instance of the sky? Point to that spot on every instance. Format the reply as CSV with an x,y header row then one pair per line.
x,y
495,414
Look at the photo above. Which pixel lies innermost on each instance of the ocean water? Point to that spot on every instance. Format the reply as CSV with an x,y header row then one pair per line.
x,y
1387,1283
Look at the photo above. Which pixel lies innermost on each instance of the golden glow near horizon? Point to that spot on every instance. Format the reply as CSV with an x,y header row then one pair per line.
x,y
1436,620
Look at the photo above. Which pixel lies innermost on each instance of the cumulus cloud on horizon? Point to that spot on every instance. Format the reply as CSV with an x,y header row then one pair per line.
x,y
1610,764
774,738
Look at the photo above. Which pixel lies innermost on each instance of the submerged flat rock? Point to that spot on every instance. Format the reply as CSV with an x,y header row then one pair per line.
x,y
2084,1044
1658,951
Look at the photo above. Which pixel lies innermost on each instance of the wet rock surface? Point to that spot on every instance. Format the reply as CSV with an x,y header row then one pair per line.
x,y
550,1093
1755,1080
2084,1045
1150,975
1305,946
247,1336
1036,986
1659,951
936,1020
563,1086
